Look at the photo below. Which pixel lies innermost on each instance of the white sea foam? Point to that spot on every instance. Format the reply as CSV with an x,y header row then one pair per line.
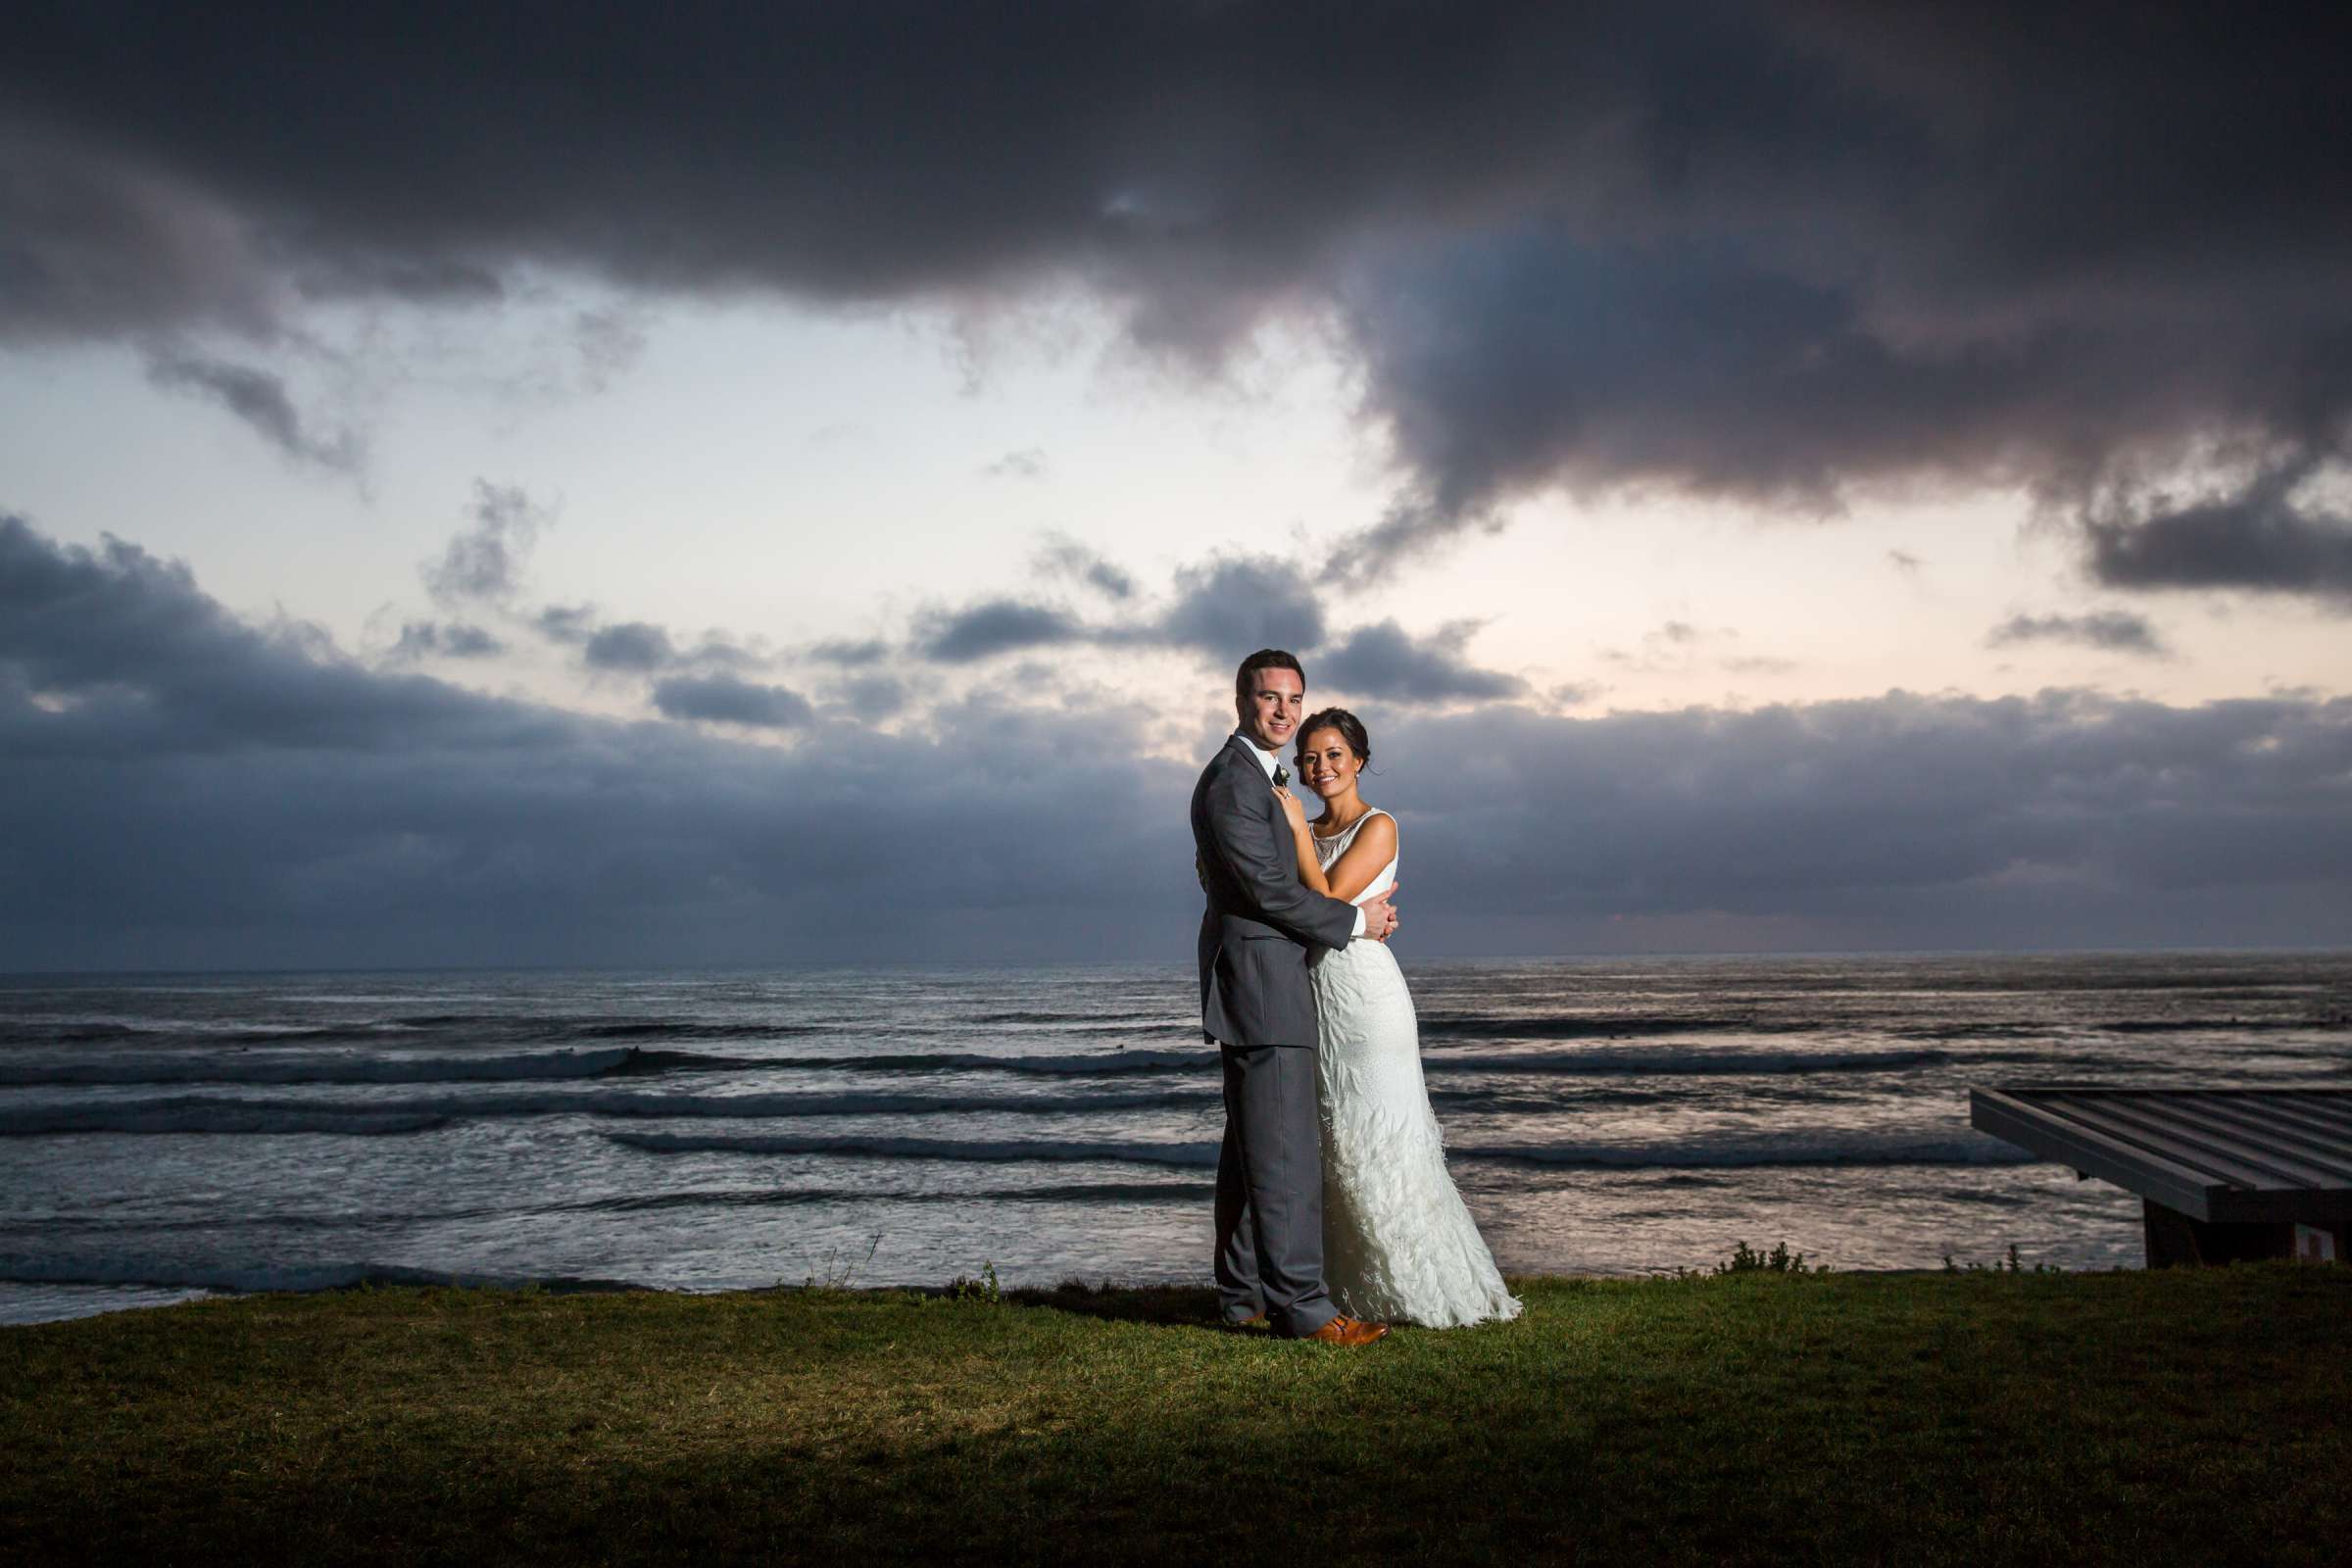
x,y
1843,1147
1856,1147
219,1116
266,1066
1094,1063
993,1151
190,1113
1673,1062
1824,1098
311,1068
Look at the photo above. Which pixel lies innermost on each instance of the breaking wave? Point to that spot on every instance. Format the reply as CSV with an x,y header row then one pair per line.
x,y
319,1068
502,1028
215,1116
195,1114
1763,1149
766,1197
1829,1148
1696,1064
993,1151
1606,1026
636,1061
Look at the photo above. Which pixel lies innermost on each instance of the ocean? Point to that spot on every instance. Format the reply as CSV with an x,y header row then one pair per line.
x,y
169,1136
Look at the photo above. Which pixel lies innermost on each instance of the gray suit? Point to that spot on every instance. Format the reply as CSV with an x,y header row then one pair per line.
x,y
1258,1003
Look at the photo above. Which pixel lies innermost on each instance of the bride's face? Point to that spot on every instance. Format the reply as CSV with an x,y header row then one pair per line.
x,y
1326,764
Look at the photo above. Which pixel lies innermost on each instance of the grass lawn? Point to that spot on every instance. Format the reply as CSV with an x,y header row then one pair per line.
x,y
2174,1416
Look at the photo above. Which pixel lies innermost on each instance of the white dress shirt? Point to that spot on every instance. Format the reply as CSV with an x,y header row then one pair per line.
x,y
1270,761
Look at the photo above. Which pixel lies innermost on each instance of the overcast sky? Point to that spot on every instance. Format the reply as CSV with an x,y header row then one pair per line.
x,y
489,485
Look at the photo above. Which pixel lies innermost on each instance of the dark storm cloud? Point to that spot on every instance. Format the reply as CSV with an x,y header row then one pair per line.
x,y
849,653
1220,607
2257,538
469,641
427,639
147,662
570,624
2115,630
1384,661
868,698
208,794
732,701
1218,610
1064,556
261,401
1228,605
1770,253
484,562
205,790
1957,820
1102,575
993,627
1508,362
639,646
633,645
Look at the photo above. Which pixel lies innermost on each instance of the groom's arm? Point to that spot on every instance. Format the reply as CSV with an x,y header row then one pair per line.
x,y
1240,825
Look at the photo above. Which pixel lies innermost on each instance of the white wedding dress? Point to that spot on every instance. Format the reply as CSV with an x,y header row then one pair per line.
x,y
1398,1243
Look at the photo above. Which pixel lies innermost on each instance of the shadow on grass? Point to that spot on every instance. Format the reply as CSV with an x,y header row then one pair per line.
x,y
1161,1305
1164,1306
1945,1419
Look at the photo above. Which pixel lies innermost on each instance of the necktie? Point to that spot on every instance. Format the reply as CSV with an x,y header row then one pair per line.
x,y
1282,775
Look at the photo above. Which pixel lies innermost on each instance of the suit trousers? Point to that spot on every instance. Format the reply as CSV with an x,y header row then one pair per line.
x,y
1270,1191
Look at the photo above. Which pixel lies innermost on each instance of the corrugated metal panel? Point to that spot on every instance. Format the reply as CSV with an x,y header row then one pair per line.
x,y
2169,1123
2267,1126
2222,1154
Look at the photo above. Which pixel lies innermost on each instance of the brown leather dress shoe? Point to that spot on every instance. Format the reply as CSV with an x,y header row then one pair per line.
x,y
1348,1331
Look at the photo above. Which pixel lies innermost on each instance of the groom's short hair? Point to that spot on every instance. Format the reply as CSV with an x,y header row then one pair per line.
x,y
1264,659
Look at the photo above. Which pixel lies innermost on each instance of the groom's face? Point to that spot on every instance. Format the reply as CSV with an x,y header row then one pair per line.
x,y
1275,703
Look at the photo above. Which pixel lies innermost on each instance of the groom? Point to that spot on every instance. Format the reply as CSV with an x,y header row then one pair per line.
x,y
1257,1005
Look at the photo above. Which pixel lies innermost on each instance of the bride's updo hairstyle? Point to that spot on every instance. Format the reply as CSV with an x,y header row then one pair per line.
x,y
1351,728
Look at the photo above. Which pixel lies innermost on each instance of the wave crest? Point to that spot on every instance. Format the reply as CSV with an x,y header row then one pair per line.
x,y
1858,1147
316,1068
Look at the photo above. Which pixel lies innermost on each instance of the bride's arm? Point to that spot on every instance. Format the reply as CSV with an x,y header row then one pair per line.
x,y
1302,842
1375,846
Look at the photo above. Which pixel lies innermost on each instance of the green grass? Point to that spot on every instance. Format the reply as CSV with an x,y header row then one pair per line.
x,y
2177,1416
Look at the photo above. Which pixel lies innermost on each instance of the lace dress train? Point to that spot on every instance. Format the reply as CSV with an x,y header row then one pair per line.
x,y
1398,1242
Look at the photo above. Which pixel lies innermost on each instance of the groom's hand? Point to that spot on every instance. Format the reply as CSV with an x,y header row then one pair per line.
x,y
1380,917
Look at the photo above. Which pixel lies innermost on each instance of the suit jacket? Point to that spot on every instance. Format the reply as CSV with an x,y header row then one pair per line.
x,y
1262,920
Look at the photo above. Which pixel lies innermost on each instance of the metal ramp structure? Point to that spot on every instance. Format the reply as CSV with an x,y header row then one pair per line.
x,y
2223,1173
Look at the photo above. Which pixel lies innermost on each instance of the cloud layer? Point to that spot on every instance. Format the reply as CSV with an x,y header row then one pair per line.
x,y
207,792
2256,537
2117,631
1216,611
1784,254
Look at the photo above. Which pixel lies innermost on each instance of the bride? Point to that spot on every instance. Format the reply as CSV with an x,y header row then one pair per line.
x,y
1398,1243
